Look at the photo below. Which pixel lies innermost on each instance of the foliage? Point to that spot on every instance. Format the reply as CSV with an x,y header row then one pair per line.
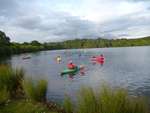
x,y
24,106
4,96
11,80
97,43
67,105
109,100
4,44
17,48
35,43
11,86
87,101
35,91
7,48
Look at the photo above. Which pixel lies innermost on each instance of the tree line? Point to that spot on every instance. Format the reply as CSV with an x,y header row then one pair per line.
x,y
7,47
97,43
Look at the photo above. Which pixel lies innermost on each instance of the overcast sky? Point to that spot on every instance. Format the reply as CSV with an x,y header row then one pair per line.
x,y
56,20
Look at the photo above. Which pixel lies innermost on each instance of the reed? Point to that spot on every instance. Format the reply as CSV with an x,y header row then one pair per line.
x,y
87,101
35,90
10,82
23,106
67,105
108,100
4,96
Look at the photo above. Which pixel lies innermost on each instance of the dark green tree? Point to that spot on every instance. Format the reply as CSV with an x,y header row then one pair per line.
x,y
35,43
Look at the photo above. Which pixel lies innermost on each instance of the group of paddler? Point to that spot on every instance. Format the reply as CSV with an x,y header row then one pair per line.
x,y
98,59
73,68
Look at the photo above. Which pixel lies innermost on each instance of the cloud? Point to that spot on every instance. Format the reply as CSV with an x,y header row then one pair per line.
x,y
57,20
57,26
132,25
8,8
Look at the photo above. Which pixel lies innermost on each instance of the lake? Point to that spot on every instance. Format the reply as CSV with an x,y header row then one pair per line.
x,y
127,67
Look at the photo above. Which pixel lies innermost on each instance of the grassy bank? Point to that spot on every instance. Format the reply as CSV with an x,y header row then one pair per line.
x,y
106,100
18,95
24,106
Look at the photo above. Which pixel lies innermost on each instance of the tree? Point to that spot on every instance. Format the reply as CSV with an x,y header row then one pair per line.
x,y
4,40
35,43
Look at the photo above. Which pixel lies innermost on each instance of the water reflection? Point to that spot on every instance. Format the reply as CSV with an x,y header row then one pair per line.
x,y
5,60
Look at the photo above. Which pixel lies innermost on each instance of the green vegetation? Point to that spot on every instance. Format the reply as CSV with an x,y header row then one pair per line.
x,y
35,91
4,44
4,96
10,83
17,48
67,105
98,43
8,48
24,106
22,96
108,101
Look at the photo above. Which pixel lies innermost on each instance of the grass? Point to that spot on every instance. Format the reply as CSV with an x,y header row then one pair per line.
x,y
10,83
87,101
4,96
67,105
23,106
108,100
35,91
14,89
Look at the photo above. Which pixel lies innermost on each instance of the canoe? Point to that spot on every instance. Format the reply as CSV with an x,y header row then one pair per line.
x,y
26,57
97,59
70,71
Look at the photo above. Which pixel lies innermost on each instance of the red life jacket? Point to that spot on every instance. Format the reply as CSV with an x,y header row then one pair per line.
x,y
71,66
100,59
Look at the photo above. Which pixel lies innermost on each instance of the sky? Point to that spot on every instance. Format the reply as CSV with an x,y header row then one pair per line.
x,y
58,20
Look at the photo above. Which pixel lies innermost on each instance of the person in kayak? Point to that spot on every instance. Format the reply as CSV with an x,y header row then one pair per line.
x,y
93,59
58,59
82,70
101,59
71,65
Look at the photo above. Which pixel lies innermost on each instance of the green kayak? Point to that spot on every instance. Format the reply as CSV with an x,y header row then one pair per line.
x,y
70,71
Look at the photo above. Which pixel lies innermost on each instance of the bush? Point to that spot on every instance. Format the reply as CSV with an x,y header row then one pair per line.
x,y
35,91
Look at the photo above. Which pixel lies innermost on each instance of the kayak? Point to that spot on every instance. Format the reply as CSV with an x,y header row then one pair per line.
x,y
26,57
70,71
98,59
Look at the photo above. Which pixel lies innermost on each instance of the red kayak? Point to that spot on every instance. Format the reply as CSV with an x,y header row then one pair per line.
x,y
98,59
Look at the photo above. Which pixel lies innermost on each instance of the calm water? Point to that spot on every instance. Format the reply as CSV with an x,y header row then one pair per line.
x,y
124,67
